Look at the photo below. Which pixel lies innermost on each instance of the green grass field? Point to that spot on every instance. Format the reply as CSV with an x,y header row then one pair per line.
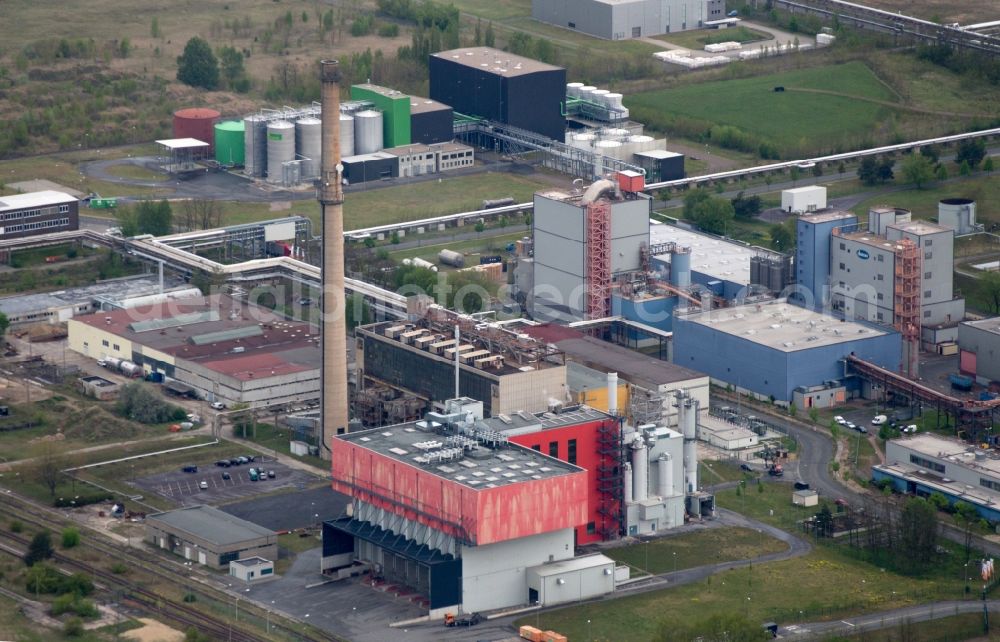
x,y
494,9
276,439
692,549
697,39
824,584
485,245
790,119
714,471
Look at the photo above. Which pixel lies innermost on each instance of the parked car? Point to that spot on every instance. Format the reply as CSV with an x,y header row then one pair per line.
x,y
250,458
223,463
840,420
746,467
243,460
801,485
731,14
862,430
253,474
270,474
912,428
217,405
850,425
879,420
840,501
235,461
203,485
190,469
226,475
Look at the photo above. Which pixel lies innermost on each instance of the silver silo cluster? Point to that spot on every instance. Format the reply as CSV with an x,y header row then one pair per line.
x,y
280,148
367,131
308,145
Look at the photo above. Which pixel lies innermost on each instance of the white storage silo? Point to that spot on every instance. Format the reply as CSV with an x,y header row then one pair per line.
x,y
280,148
612,148
308,145
584,140
586,91
573,89
614,100
367,131
615,133
641,143
599,96
957,213
346,135
255,145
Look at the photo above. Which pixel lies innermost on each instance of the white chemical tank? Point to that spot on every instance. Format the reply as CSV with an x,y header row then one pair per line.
x,y
573,89
309,146
586,91
599,96
367,131
280,148
346,135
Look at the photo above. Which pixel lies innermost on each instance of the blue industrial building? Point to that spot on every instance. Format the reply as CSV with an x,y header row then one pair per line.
x,y
769,349
812,255
653,309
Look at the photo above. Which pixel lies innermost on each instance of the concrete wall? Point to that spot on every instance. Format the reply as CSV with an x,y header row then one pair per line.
x,y
985,343
533,389
803,199
494,576
162,536
861,280
257,392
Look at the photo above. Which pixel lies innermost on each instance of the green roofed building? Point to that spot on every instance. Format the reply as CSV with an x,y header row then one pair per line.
x,y
395,108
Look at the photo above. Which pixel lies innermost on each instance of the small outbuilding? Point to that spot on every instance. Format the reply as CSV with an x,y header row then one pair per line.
x,y
210,536
571,580
98,388
252,569
805,498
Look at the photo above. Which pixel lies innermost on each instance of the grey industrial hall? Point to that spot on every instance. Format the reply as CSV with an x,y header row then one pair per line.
x,y
623,19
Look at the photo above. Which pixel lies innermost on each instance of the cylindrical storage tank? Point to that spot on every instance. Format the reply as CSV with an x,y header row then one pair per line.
x,y
641,143
680,267
599,96
573,89
640,470
346,135
196,122
616,132
957,213
418,262
584,140
308,145
451,257
610,148
586,91
367,131
614,100
255,146
627,472
665,476
229,143
280,148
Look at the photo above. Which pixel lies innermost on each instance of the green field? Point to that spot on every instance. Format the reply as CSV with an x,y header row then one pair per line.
x,y
693,549
276,439
136,172
824,584
697,39
789,119
713,471
489,244
494,9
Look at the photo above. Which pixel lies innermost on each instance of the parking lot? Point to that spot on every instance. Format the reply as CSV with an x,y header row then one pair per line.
x,y
184,488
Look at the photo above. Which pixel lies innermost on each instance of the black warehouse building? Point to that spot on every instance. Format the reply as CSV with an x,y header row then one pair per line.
x,y
500,86
430,121
38,213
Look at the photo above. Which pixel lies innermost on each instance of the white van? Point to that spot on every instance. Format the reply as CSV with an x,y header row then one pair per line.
x,y
879,420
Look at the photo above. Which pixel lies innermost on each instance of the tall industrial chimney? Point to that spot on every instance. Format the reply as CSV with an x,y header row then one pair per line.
x,y
330,194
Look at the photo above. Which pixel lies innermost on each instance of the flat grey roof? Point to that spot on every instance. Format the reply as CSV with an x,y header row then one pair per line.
x,y
953,450
991,324
419,105
182,143
34,199
572,564
251,561
658,153
521,423
974,494
475,465
825,216
211,524
783,326
117,289
719,259
921,227
495,61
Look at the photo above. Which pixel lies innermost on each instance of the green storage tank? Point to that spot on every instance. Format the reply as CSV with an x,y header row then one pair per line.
x,y
229,143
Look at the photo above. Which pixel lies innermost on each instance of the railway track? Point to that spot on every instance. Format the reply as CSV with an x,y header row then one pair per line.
x,y
138,596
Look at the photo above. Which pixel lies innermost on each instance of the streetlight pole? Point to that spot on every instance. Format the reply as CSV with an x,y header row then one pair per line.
x,y
675,561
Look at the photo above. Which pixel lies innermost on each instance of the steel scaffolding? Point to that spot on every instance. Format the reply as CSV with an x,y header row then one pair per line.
x,y
906,303
610,469
598,259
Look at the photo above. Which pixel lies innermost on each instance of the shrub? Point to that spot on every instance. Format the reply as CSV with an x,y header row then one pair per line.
x,y
389,30
73,628
16,526
39,549
70,537
82,500
119,568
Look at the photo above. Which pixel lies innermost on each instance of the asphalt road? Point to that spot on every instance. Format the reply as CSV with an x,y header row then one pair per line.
x,y
886,619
